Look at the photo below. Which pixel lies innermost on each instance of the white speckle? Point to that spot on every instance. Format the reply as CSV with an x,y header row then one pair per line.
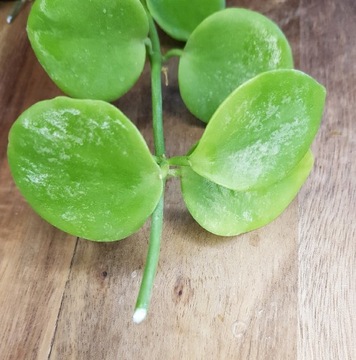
x,y
26,123
286,100
134,274
105,125
68,111
287,131
247,216
43,6
272,110
77,140
64,156
69,216
36,178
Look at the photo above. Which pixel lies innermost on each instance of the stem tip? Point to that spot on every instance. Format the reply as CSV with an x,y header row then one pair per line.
x,y
139,315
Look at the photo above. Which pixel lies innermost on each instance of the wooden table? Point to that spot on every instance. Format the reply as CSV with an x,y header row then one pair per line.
x,y
286,291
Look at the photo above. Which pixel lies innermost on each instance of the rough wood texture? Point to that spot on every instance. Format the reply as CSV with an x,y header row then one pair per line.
x,y
286,291
327,231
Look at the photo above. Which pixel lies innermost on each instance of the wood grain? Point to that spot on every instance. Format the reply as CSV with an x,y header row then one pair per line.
x,y
35,258
286,291
327,231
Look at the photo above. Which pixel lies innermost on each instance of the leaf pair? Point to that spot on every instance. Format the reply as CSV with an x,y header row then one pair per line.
x,y
253,156
85,168
226,212
97,49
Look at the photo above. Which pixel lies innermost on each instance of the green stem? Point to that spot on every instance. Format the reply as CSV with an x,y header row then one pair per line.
x,y
171,53
144,295
156,86
15,10
178,161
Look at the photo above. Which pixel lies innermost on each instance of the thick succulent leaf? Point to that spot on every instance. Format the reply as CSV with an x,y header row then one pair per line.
x,y
225,50
91,49
261,132
179,18
84,167
227,212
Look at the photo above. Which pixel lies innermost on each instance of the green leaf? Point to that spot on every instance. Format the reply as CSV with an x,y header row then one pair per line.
x,y
91,49
227,212
84,167
261,131
180,18
225,50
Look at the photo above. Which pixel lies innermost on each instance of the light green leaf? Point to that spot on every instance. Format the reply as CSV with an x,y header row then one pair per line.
x,y
84,167
179,18
261,131
225,50
227,212
91,49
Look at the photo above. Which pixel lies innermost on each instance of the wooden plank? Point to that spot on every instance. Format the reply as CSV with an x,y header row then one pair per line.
x,y
327,252
34,266
34,257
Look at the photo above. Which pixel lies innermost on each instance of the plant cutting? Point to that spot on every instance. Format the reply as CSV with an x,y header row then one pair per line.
x,y
86,169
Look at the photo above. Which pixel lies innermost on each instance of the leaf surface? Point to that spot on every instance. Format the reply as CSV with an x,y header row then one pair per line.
x,y
225,50
84,167
261,131
90,49
227,212
180,18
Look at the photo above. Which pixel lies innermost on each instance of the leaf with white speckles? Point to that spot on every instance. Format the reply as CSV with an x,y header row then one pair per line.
x,y
90,49
84,167
225,50
261,131
227,212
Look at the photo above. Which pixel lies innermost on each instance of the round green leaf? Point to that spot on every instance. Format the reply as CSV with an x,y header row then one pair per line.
x,y
91,49
225,50
179,18
261,131
227,212
84,167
